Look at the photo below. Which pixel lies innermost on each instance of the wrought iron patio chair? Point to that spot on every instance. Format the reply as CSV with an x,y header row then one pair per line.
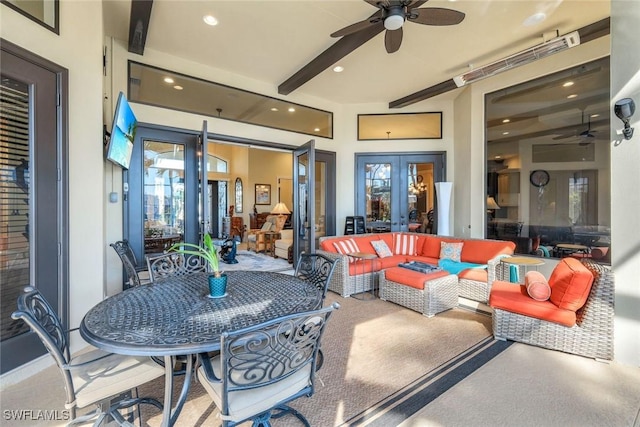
x,y
90,378
317,269
130,263
174,264
263,367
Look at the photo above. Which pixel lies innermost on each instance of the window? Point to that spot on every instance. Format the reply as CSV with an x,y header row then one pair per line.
x,y
548,162
169,89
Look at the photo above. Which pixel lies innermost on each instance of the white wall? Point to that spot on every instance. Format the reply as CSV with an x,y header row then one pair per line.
x,y
79,49
625,182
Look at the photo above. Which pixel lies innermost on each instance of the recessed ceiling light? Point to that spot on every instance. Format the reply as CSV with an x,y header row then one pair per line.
x,y
338,68
178,87
573,95
595,115
506,121
567,84
274,109
505,133
534,19
291,109
316,129
497,157
210,20
168,80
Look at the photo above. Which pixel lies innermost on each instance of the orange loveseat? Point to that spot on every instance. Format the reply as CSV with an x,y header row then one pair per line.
x,y
350,273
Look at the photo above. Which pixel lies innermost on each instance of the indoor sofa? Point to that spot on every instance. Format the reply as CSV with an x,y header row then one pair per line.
x,y
475,270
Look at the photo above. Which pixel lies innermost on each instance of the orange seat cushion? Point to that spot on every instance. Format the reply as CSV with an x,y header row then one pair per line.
x,y
476,274
570,284
412,278
514,298
363,266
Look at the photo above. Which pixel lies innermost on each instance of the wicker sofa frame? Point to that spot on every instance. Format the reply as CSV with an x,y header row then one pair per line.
x,y
346,285
591,336
342,282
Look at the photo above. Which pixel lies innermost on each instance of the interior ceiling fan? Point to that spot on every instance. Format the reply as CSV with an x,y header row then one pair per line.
x,y
393,14
584,137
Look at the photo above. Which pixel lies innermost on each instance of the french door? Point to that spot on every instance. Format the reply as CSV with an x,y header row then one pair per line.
x,y
304,165
395,192
163,201
33,171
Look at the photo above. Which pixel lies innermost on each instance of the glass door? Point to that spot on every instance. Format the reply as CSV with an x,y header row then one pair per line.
x,y
33,214
304,200
163,202
395,192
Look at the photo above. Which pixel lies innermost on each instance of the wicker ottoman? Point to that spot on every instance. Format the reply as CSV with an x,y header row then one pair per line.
x,y
426,293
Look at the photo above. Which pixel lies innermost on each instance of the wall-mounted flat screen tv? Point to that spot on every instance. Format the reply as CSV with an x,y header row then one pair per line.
x,y
123,132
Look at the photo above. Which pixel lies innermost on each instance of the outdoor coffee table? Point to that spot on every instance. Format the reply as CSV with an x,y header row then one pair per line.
x,y
427,293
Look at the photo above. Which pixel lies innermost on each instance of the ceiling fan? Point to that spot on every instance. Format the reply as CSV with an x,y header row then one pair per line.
x,y
584,137
392,15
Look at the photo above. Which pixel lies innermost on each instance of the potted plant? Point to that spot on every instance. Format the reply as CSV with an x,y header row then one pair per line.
x,y
208,251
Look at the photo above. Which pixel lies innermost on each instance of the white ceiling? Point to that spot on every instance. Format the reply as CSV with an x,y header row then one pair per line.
x,y
270,40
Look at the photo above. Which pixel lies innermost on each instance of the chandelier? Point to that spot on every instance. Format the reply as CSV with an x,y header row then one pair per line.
x,y
417,188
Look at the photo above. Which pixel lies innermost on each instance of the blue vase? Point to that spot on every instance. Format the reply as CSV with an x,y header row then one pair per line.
x,y
217,285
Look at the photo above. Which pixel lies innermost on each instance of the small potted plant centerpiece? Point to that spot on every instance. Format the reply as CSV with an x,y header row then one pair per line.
x,y
208,251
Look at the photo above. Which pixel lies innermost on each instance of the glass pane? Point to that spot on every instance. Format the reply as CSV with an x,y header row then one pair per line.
x,y
44,12
148,85
548,164
378,195
238,193
303,202
419,198
164,198
222,203
15,192
321,200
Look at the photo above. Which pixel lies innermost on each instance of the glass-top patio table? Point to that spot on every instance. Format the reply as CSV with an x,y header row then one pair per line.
x,y
175,316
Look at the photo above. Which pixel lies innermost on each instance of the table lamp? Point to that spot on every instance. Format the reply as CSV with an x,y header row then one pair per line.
x,y
280,209
491,206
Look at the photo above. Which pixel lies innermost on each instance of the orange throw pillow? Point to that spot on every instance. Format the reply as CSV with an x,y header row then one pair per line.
x,y
570,284
537,286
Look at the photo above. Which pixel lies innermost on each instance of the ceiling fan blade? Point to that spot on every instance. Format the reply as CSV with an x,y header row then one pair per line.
x,y
436,16
393,40
566,136
358,26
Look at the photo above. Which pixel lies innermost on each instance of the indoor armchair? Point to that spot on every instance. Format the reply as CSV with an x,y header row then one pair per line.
x,y
256,240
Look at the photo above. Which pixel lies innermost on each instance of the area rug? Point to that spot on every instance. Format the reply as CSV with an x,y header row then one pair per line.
x,y
256,262
374,351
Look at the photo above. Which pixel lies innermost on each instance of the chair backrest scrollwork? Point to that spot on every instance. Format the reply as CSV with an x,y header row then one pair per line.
x,y
317,269
174,264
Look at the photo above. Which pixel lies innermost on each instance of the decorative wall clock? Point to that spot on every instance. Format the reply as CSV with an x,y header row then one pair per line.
x,y
539,178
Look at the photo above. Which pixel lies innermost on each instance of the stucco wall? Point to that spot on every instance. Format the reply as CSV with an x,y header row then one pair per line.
x,y
79,49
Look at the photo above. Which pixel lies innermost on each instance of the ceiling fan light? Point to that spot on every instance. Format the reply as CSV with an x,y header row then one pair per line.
x,y
393,22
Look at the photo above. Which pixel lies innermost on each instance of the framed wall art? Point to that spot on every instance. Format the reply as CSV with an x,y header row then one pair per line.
x,y
263,194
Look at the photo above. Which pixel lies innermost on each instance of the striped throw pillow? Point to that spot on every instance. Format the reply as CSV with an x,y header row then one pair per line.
x,y
346,246
405,244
